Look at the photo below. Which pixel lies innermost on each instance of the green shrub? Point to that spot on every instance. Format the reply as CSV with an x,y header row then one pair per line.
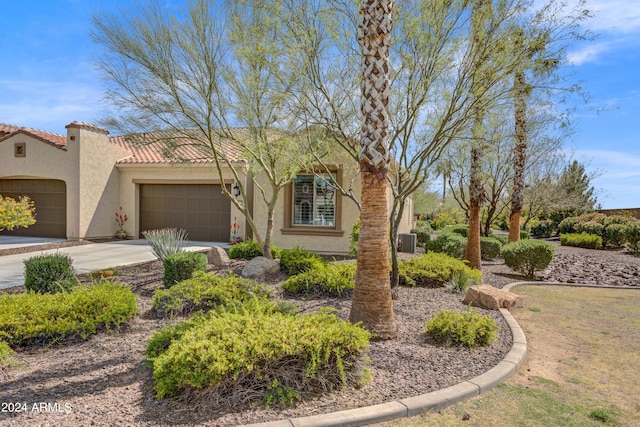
x,y
432,270
204,292
39,319
583,240
424,225
181,266
48,273
166,241
460,281
543,228
245,350
615,234
490,248
422,235
524,234
333,280
447,217
467,328
353,238
567,225
632,236
297,260
501,238
250,249
528,256
590,227
7,361
452,244
461,229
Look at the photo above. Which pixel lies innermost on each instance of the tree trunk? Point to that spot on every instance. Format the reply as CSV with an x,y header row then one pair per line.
x,y
475,204
372,304
395,219
519,156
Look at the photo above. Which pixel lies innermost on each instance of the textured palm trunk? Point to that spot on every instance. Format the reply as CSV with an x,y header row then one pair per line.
x,y
519,156
372,304
476,194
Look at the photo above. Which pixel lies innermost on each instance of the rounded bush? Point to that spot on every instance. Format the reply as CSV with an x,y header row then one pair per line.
x,y
615,234
632,236
333,280
433,270
461,229
452,244
49,273
297,260
490,248
528,256
543,228
568,225
465,328
422,235
250,249
181,266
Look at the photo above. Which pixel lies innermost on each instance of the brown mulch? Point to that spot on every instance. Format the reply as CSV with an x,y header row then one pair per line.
x,y
103,381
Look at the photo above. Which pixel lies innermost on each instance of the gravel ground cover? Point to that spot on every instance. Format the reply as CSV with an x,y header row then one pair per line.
x,y
103,382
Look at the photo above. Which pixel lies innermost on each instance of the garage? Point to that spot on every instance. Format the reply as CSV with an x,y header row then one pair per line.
x,y
50,200
200,209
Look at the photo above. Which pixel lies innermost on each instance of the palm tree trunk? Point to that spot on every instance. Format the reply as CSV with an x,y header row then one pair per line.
x,y
372,304
476,194
519,156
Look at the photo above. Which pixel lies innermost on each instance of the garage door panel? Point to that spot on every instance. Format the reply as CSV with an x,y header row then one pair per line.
x,y
200,209
50,200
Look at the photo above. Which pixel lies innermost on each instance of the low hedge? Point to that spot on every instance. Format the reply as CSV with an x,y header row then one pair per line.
x,y
582,240
632,236
49,273
465,328
461,229
243,354
331,280
181,266
422,235
433,270
452,244
250,249
490,248
204,292
528,256
39,319
297,260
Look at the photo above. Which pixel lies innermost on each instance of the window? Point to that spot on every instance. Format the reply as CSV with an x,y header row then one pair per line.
x,y
20,149
314,201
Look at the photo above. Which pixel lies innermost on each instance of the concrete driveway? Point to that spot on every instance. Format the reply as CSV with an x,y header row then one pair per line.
x,y
85,258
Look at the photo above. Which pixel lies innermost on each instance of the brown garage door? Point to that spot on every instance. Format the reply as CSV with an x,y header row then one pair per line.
x,y
50,199
198,208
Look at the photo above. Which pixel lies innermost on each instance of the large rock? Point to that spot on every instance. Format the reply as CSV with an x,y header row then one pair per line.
x,y
260,266
218,256
492,298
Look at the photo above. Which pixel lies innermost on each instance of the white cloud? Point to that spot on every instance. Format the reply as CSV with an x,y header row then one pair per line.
x,y
589,53
615,16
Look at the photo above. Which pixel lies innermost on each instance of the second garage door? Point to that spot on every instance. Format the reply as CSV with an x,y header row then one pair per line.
x,y
200,209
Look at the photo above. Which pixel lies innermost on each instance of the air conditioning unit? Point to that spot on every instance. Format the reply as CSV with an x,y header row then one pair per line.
x,y
408,242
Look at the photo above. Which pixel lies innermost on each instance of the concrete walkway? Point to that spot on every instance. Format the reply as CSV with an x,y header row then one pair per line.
x,y
93,256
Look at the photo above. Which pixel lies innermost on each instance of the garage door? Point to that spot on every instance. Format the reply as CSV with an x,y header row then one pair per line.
x,y
200,209
50,199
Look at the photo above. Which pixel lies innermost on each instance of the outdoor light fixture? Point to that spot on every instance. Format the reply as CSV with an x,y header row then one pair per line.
x,y
236,190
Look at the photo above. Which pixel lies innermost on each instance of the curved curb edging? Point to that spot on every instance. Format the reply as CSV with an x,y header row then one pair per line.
x,y
420,404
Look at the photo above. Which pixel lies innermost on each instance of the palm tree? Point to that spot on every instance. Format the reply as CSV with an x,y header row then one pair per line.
x,y
372,303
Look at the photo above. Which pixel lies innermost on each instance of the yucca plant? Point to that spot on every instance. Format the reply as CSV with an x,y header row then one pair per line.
x,y
166,241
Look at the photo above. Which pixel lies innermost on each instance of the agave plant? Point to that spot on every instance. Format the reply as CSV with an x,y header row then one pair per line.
x,y
166,241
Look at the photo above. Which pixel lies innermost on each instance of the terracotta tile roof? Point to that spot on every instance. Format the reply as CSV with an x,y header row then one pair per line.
x,y
89,126
174,147
58,141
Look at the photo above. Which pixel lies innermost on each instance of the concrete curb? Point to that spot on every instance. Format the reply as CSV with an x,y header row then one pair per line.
x,y
433,401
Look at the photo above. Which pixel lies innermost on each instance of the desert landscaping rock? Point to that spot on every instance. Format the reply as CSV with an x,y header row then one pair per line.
x,y
492,298
260,267
218,256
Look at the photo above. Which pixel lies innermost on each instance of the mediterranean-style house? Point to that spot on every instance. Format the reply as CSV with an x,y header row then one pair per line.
x,y
79,181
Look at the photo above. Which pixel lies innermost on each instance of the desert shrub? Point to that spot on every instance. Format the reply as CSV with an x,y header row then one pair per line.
x,y
528,256
297,260
543,228
250,249
40,319
465,328
615,234
461,229
166,241
353,238
245,350
333,280
447,217
490,247
632,236
582,240
591,227
424,225
181,266
432,270
7,361
501,238
422,235
524,234
567,225
204,292
460,281
48,273
452,244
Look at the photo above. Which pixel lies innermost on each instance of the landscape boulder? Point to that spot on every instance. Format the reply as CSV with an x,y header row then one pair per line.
x,y
260,266
487,296
218,256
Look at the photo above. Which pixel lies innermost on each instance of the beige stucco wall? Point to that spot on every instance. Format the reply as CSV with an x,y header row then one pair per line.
x,y
132,175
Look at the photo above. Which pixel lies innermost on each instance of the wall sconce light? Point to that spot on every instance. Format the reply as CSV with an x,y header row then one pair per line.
x,y
236,190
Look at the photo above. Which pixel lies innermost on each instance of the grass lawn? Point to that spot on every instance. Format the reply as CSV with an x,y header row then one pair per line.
x,y
582,366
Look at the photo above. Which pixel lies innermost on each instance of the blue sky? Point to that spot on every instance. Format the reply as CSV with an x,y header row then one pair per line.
x,y
47,80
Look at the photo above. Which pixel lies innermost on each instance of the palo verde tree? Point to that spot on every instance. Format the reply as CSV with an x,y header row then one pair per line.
x,y
202,72
14,214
